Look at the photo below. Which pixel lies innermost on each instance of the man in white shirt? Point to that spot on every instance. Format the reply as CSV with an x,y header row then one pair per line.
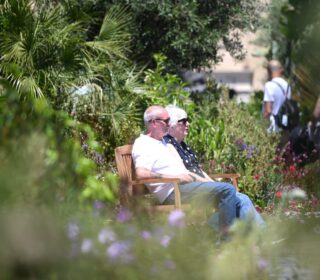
x,y
275,93
153,158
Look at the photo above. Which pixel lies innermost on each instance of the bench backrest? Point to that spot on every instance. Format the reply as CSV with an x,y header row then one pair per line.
x,y
125,171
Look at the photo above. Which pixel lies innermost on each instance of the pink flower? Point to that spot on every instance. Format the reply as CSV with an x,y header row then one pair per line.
x,y
278,194
292,168
256,177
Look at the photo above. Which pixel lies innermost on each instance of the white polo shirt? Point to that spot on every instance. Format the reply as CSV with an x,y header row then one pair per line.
x,y
273,93
160,157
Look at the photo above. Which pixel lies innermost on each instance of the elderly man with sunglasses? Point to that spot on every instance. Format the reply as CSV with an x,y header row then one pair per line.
x,y
153,157
178,130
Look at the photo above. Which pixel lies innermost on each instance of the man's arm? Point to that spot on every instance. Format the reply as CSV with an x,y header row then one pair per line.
x,y
267,109
198,178
143,173
207,176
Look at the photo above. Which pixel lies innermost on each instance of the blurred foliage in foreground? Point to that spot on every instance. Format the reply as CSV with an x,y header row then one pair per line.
x,y
38,245
43,159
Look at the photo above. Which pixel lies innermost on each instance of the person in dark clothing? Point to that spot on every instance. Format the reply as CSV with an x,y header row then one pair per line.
x,y
178,130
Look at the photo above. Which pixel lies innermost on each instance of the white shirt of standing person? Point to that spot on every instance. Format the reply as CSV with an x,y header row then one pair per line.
x,y
274,92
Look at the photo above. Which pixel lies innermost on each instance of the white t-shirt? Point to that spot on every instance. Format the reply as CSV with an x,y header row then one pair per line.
x,y
159,157
274,94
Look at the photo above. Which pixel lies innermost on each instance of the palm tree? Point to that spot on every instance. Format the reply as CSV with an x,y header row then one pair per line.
x,y
43,53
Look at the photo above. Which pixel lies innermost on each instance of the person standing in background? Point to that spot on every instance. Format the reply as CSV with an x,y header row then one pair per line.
x,y
276,91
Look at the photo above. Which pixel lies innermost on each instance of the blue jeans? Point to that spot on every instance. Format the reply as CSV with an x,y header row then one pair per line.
x,y
216,194
245,210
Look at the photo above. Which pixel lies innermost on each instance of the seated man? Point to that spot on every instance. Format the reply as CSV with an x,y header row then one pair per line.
x,y
154,158
178,130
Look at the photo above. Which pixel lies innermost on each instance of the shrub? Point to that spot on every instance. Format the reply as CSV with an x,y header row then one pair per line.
x,y
247,149
44,162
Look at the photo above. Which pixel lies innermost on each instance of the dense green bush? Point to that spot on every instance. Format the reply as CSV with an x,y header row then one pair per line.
x,y
44,160
250,151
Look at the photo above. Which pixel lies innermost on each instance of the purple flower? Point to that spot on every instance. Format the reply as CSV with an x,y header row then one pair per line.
x,y
262,264
240,144
98,205
73,231
165,241
249,154
106,235
98,158
146,235
177,218
124,215
119,252
169,264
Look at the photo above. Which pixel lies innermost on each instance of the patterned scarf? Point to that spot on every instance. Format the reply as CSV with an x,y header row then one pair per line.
x,y
189,158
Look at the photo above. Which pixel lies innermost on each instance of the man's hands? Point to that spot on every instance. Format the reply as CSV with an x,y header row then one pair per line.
x,y
143,173
193,177
185,178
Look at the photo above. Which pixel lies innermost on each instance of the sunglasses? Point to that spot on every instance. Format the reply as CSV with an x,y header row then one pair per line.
x,y
184,121
166,121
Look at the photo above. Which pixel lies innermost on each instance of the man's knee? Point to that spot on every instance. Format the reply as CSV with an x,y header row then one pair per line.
x,y
228,189
224,189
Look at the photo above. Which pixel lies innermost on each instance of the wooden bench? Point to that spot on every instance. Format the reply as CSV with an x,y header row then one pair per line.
x,y
131,187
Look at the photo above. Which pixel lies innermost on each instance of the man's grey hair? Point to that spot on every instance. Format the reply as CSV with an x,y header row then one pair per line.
x,y
175,114
151,113
275,65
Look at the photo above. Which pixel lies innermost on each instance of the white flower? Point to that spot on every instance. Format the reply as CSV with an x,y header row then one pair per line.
x,y
297,193
86,246
106,235
73,231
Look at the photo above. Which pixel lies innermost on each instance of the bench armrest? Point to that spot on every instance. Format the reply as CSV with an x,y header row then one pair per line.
x,y
174,181
232,176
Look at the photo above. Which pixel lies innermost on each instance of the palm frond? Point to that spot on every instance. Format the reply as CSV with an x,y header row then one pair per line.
x,y
29,87
113,39
111,48
115,24
309,87
16,51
